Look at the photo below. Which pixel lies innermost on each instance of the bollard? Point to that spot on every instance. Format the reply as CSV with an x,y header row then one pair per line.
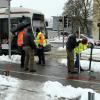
x,y
6,72
91,46
91,96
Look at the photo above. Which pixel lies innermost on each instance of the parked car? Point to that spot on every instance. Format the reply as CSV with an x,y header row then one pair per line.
x,y
91,40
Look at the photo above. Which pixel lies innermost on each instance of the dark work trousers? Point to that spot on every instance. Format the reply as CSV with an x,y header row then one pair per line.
x,y
22,56
29,58
41,55
70,60
77,61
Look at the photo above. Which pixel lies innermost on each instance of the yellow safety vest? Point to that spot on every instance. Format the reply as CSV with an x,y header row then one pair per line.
x,y
40,39
80,48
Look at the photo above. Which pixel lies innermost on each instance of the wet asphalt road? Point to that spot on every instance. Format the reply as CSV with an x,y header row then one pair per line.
x,y
31,84
53,71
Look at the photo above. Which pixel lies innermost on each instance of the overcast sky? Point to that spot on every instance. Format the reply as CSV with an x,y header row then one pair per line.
x,y
48,7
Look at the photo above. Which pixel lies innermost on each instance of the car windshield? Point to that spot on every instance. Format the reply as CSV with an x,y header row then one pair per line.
x,y
16,21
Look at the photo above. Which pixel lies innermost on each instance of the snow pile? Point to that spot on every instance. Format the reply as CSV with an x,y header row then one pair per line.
x,y
58,39
95,66
8,87
56,90
14,58
9,81
95,51
86,52
95,54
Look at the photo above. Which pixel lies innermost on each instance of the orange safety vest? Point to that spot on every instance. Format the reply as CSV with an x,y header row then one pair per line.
x,y
20,38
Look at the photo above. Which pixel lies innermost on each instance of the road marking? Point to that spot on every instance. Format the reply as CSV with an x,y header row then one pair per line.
x,y
55,77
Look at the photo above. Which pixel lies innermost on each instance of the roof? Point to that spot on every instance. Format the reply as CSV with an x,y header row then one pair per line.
x,y
20,10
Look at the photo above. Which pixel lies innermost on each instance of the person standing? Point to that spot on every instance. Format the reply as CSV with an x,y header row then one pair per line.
x,y
29,47
40,43
70,45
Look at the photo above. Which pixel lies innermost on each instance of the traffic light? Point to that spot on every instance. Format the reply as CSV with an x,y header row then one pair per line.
x,y
65,21
60,19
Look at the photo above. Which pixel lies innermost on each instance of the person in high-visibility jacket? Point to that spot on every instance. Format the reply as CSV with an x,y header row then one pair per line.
x,y
40,43
81,47
20,46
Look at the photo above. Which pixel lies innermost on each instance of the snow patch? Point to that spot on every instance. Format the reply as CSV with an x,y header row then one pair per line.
x,y
10,86
9,81
61,49
56,90
95,66
14,58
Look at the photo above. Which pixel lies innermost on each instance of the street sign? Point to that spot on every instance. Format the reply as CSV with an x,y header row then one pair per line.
x,y
4,3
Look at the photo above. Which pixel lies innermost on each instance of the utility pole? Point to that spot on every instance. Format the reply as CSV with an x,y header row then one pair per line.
x,y
58,27
9,28
79,52
63,30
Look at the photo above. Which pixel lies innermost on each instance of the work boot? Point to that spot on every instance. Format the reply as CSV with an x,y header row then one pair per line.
x,y
82,69
32,70
21,67
73,72
38,63
43,64
26,69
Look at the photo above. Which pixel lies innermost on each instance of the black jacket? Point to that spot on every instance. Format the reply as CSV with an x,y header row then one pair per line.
x,y
71,42
28,40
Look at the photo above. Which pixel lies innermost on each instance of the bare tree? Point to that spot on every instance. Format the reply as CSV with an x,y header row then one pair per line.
x,y
80,11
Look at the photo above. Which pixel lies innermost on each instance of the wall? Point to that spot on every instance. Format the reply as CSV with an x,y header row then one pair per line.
x,y
96,17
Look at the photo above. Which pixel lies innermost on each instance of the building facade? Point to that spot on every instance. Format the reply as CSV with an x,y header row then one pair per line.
x,y
96,19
